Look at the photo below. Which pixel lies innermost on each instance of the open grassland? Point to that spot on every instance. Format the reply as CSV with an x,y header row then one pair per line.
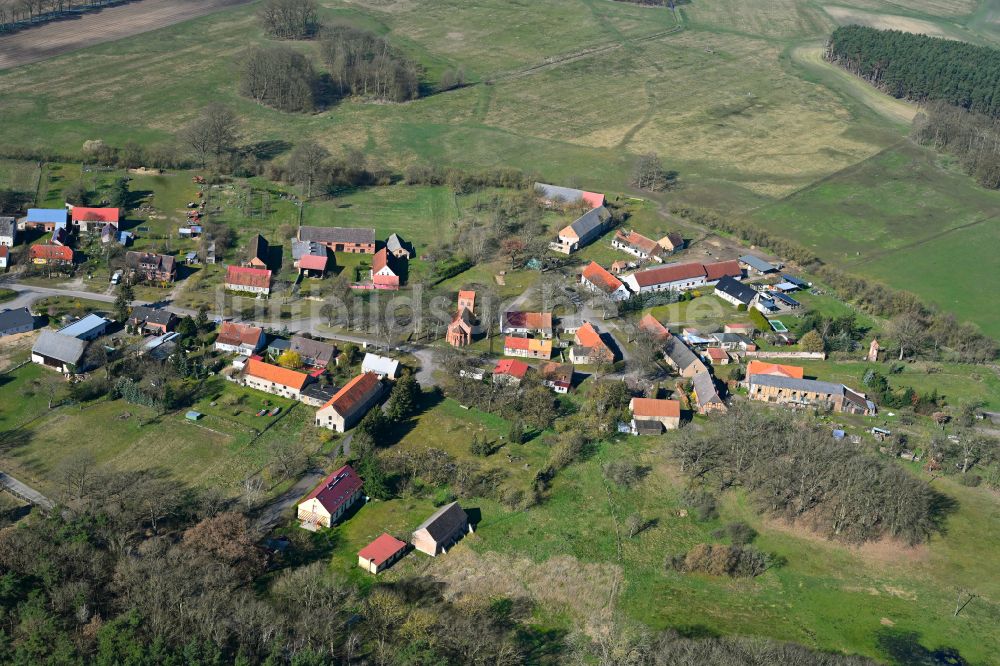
x,y
777,19
827,595
19,176
903,219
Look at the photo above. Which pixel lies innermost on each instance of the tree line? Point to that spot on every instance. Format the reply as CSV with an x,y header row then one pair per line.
x,y
972,137
920,68
943,335
15,14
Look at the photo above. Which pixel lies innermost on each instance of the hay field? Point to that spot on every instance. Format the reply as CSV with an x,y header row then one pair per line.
x,y
776,19
850,16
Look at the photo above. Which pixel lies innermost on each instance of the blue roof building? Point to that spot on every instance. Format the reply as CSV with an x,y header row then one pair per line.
x,y
56,216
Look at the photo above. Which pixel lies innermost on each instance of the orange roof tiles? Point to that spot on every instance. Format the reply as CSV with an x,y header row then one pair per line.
x,y
248,277
354,392
756,367
512,367
277,374
51,252
652,407
598,276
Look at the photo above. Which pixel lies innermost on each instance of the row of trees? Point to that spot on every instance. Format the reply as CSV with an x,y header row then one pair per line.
x,y
974,138
15,13
920,68
799,473
364,64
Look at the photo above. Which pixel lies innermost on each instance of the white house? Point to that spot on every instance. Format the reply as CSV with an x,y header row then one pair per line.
x,y
383,366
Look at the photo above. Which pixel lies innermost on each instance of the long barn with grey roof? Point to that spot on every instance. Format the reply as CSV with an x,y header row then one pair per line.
x,y
808,393
355,240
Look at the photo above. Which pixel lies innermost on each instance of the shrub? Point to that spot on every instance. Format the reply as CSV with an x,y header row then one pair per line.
x,y
623,472
702,503
721,560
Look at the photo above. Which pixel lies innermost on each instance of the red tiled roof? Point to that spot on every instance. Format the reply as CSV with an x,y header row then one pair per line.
x,y
50,252
3,251
528,344
669,273
512,367
596,274
717,353
588,336
532,320
248,277
653,407
756,367
595,199
354,392
381,549
82,214
635,239
312,262
277,374
231,333
650,324
334,491
720,269
380,260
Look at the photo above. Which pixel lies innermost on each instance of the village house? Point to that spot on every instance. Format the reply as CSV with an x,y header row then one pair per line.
x,y
313,352
274,379
527,347
672,277
807,393
310,258
316,395
8,231
51,255
93,219
732,342
397,247
646,411
510,371
444,528
583,231
46,219
736,293
4,256
331,499
526,323
756,265
649,324
239,338
717,270
16,321
671,243
341,239
350,403
250,280
462,327
680,357
597,279
554,195
145,319
383,366
381,553
258,252
589,347
58,351
636,244
716,356
706,396
382,275
558,376
152,267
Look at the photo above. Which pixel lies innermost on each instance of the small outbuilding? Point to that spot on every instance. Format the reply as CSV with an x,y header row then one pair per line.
x,y
439,532
381,553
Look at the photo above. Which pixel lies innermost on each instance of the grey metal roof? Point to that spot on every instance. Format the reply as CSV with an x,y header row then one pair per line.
x,y
553,192
590,221
788,300
757,263
315,349
793,384
7,226
10,319
65,348
679,352
337,234
319,392
394,243
84,327
444,522
741,292
301,248
704,388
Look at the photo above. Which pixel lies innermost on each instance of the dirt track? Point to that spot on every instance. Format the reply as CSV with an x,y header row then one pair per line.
x,y
63,36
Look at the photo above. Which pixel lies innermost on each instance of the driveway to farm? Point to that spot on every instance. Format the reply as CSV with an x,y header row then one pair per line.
x,y
79,31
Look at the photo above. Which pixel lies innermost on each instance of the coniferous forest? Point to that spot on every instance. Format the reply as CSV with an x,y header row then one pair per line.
x,y
920,68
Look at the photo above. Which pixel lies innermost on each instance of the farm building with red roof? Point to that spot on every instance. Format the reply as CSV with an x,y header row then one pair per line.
x,y
510,370
94,219
51,254
350,403
275,379
381,553
250,280
330,499
596,278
